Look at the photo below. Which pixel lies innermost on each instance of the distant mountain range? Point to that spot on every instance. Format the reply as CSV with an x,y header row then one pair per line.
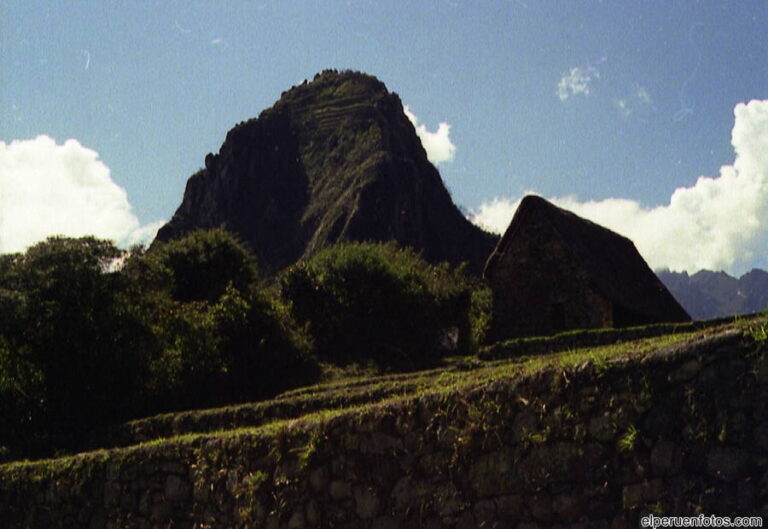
x,y
708,294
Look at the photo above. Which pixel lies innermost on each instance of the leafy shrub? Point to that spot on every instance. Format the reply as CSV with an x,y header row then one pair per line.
x,y
268,353
480,311
21,405
366,301
199,266
220,336
72,349
91,335
240,348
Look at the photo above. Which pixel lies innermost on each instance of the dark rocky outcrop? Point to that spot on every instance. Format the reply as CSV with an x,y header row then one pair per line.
x,y
553,271
335,159
708,294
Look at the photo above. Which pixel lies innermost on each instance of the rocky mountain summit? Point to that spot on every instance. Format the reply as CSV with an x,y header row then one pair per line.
x,y
708,294
335,159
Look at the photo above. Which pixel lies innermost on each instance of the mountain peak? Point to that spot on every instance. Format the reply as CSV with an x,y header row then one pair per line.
x,y
334,159
333,84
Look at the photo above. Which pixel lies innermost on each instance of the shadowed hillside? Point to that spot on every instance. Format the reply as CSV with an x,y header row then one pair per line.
x,y
333,160
594,436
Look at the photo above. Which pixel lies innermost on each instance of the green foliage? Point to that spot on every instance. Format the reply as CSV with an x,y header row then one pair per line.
x,y
308,452
480,312
71,343
92,335
628,441
221,337
268,347
758,331
365,301
200,266
21,410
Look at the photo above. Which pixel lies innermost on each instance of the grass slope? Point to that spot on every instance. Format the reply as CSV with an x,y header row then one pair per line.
x,y
303,407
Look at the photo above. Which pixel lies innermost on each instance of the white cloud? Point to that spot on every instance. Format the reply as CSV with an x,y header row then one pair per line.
x,y
576,82
437,144
718,223
496,215
49,189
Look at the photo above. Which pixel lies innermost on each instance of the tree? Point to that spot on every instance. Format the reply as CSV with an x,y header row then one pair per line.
x,y
200,265
365,301
221,336
91,335
73,348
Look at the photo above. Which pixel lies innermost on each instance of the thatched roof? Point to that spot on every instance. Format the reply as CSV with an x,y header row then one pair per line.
x,y
614,265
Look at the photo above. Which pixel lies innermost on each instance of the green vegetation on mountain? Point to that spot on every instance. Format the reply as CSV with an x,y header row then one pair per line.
x,y
304,346
238,416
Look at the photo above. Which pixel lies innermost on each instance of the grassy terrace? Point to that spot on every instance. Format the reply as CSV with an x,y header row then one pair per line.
x,y
305,406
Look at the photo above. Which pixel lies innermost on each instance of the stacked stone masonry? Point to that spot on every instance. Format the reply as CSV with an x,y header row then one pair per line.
x,y
681,431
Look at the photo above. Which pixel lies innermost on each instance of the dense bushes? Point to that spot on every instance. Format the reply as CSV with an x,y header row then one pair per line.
x,y
71,342
222,337
244,346
91,335
200,266
365,301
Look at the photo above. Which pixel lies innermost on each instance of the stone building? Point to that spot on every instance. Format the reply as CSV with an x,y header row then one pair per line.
x,y
553,271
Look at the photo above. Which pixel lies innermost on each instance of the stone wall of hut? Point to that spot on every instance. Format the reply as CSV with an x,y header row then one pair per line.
x,y
540,288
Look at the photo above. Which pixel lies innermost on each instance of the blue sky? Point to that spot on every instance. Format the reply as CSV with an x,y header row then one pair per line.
x,y
607,107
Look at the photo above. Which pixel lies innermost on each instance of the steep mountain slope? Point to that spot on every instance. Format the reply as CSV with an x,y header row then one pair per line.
x,y
334,159
707,294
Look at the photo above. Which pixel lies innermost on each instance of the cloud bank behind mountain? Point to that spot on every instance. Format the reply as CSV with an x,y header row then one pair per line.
x,y
718,223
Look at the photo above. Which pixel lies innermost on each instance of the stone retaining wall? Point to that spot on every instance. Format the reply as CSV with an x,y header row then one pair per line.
x,y
590,338
682,431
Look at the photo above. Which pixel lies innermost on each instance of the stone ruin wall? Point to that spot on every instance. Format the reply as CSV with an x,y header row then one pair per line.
x,y
524,294
682,431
